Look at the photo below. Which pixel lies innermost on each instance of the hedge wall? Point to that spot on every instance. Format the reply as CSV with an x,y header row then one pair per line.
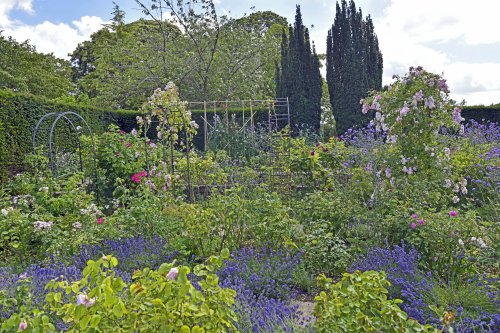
x,y
480,112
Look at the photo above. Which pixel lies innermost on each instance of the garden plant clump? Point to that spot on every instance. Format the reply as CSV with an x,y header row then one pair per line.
x,y
389,228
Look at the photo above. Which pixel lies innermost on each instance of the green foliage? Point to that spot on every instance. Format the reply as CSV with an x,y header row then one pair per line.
x,y
359,302
22,69
448,245
299,60
353,64
234,220
157,300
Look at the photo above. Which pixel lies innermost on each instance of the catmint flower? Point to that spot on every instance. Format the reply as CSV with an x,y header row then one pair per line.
x,y
453,213
172,274
388,172
23,325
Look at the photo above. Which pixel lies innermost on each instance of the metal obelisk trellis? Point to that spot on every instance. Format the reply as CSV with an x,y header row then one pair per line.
x,y
47,126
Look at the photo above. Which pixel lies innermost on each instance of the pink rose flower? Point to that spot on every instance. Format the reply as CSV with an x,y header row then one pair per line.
x,y
84,300
172,274
413,225
23,325
421,221
414,216
453,213
99,220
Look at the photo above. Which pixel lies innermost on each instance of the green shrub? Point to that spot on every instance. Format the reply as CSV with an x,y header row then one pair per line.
x,y
358,303
162,300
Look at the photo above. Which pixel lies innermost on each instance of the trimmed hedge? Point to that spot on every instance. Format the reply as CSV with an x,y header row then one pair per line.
x,y
19,114
481,113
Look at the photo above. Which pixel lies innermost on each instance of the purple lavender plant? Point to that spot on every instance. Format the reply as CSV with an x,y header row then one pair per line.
x,y
407,281
132,253
262,280
266,272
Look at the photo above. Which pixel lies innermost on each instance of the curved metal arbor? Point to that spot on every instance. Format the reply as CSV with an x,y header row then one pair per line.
x,y
75,122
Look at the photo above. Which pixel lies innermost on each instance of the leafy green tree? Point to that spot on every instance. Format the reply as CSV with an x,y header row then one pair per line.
x,y
22,69
353,64
248,50
298,76
233,59
123,63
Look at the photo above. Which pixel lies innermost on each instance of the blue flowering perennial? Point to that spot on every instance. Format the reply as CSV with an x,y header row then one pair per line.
x,y
263,283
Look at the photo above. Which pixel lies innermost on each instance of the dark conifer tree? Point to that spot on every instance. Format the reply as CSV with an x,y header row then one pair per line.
x,y
298,77
353,64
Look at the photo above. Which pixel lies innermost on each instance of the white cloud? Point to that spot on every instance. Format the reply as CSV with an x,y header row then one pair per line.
x,y
7,5
407,27
60,39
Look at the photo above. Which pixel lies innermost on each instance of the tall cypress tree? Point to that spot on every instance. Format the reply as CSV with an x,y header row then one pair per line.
x,y
298,77
353,64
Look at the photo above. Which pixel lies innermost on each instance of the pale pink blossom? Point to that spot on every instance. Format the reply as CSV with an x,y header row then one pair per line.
x,y
172,274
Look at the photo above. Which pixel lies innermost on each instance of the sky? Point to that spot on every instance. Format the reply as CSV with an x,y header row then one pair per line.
x,y
457,38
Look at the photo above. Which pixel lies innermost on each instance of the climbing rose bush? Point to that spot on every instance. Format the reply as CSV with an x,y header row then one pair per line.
x,y
415,108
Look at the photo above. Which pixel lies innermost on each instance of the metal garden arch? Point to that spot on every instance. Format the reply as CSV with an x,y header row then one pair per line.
x,y
76,123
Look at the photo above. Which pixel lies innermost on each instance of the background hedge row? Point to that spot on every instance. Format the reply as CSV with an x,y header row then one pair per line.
x,y
19,114
482,113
